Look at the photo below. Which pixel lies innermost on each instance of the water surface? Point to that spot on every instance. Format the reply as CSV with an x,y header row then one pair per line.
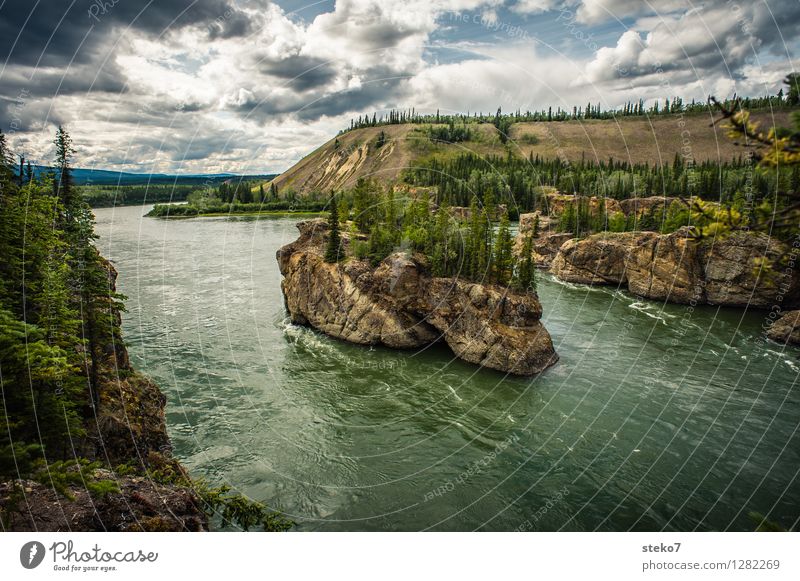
x,y
656,417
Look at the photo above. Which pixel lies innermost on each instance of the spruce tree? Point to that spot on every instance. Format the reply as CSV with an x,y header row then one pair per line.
x,y
503,258
64,189
333,252
525,276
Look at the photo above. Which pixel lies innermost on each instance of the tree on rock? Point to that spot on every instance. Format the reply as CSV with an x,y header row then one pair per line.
x,y
503,258
525,277
333,252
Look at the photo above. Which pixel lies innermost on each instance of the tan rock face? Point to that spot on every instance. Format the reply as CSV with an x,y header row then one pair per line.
x,y
786,330
556,203
732,274
665,268
639,206
398,304
545,244
599,259
675,268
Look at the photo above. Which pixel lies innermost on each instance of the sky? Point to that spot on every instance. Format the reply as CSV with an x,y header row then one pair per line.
x,y
252,86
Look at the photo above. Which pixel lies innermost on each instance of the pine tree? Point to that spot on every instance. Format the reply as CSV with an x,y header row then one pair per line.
x,y
525,277
64,190
792,81
333,252
6,166
441,239
502,263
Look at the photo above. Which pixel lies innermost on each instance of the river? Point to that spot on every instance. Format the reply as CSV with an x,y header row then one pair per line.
x,y
657,417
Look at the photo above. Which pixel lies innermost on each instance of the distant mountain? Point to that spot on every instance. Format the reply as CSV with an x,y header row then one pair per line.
x,y
103,177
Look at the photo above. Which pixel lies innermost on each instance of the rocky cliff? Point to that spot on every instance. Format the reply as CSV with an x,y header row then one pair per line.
x,y
128,436
676,268
786,329
399,304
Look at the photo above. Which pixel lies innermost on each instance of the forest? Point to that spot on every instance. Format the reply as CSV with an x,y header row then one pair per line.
x,y
240,197
667,106
476,249
57,312
60,333
126,195
521,183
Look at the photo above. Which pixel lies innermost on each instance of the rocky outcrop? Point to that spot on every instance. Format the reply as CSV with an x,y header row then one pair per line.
x,y
399,304
603,261
546,243
786,329
676,268
667,268
734,276
646,205
127,428
141,504
556,202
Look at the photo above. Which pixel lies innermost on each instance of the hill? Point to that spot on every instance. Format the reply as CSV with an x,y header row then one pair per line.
x,y
103,177
655,140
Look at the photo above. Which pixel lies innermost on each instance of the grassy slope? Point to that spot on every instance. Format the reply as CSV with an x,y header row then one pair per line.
x,y
636,140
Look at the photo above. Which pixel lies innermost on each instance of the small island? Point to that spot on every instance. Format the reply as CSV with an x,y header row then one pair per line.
x,y
357,287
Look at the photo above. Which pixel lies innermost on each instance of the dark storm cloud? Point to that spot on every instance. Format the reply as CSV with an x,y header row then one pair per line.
x,y
370,95
300,72
49,82
56,32
310,107
230,25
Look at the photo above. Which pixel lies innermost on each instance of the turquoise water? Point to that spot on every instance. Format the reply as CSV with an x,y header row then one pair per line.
x,y
656,417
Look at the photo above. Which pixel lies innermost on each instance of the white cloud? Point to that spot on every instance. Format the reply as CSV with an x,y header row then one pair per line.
x,y
263,100
536,6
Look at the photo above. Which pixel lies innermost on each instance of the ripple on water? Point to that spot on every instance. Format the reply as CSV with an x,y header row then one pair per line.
x,y
651,419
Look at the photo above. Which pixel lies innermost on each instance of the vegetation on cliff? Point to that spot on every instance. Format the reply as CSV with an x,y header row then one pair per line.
x,y
77,423
382,223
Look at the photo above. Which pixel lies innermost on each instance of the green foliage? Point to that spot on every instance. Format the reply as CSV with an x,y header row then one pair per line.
x,y
208,206
236,509
57,316
107,196
792,82
363,202
503,263
450,133
525,275
668,106
61,475
333,251
519,183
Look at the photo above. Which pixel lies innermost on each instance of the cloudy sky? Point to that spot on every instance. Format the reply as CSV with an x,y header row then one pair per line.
x,y
252,85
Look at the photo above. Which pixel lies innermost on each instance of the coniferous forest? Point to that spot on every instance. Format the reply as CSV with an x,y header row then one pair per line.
x,y
57,314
